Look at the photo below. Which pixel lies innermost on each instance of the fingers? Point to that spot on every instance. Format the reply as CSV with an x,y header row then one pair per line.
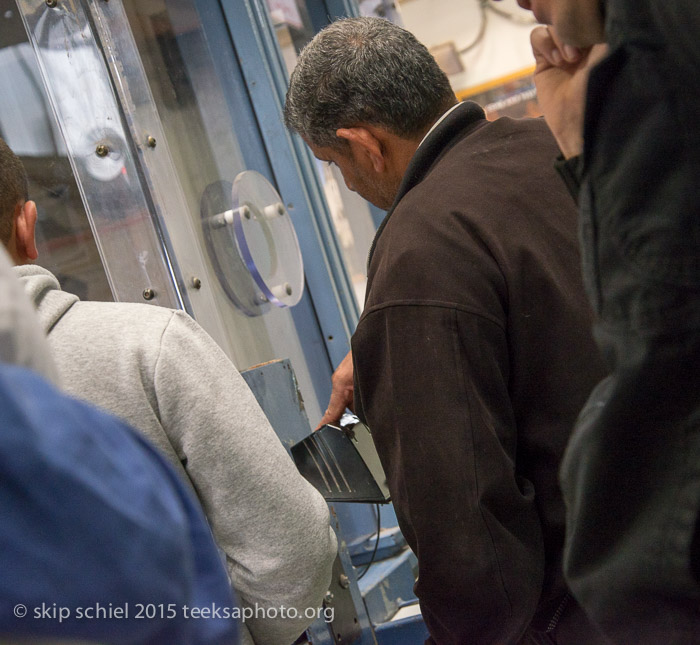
x,y
598,53
561,78
340,400
336,407
341,394
563,52
550,51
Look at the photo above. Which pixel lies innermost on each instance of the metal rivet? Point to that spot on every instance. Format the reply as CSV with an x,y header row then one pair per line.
x,y
328,599
343,581
246,212
149,294
196,283
51,3
102,150
288,289
151,141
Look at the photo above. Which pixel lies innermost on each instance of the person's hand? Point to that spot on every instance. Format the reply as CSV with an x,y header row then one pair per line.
x,y
341,394
561,78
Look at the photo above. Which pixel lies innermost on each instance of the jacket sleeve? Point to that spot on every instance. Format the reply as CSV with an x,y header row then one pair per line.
x,y
273,526
630,473
432,381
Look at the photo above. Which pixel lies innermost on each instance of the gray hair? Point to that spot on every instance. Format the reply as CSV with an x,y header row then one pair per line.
x,y
365,70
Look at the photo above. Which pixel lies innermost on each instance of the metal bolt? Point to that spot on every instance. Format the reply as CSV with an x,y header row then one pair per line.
x,y
343,581
196,283
151,141
149,294
328,599
102,150
246,212
51,3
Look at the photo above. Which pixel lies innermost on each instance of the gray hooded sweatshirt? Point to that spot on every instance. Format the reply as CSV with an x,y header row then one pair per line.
x,y
21,340
159,370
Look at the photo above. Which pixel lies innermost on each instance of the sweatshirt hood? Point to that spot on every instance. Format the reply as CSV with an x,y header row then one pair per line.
x,y
44,291
21,340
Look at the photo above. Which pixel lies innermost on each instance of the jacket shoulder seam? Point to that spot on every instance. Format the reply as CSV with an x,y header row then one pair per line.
x,y
436,304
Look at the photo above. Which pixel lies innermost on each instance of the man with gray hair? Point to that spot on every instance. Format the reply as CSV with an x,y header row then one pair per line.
x,y
473,354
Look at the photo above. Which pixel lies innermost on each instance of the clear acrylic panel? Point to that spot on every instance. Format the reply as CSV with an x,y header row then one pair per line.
x,y
77,84
266,239
252,244
144,124
165,72
27,123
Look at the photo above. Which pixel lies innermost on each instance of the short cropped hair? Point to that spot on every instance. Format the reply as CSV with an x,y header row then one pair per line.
x,y
365,70
14,189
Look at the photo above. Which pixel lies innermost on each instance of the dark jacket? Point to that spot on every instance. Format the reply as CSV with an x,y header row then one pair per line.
x,y
631,475
472,359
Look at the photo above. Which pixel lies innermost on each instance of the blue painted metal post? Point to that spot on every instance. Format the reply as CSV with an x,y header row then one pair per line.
x,y
265,76
266,82
323,13
275,388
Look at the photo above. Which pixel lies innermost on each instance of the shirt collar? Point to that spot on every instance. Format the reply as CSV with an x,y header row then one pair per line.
x,y
438,122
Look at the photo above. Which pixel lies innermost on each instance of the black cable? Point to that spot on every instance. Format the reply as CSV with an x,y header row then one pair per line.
x,y
482,28
485,5
376,544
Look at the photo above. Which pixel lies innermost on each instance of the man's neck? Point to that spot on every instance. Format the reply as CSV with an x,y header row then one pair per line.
x,y
403,153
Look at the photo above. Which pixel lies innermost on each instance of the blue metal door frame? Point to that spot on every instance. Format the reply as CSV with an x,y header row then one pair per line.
x,y
325,12
291,165
261,74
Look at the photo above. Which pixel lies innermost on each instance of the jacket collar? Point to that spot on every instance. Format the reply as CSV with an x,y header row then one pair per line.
x,y
463,119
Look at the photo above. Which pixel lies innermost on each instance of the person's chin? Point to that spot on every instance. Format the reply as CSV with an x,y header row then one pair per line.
x,y
531,5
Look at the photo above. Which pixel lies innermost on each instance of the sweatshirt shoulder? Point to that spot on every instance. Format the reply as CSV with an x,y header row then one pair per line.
x,y
115,324
137,314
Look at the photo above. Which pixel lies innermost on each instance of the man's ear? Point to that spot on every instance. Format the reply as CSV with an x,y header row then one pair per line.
x,y
25,232
365,144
